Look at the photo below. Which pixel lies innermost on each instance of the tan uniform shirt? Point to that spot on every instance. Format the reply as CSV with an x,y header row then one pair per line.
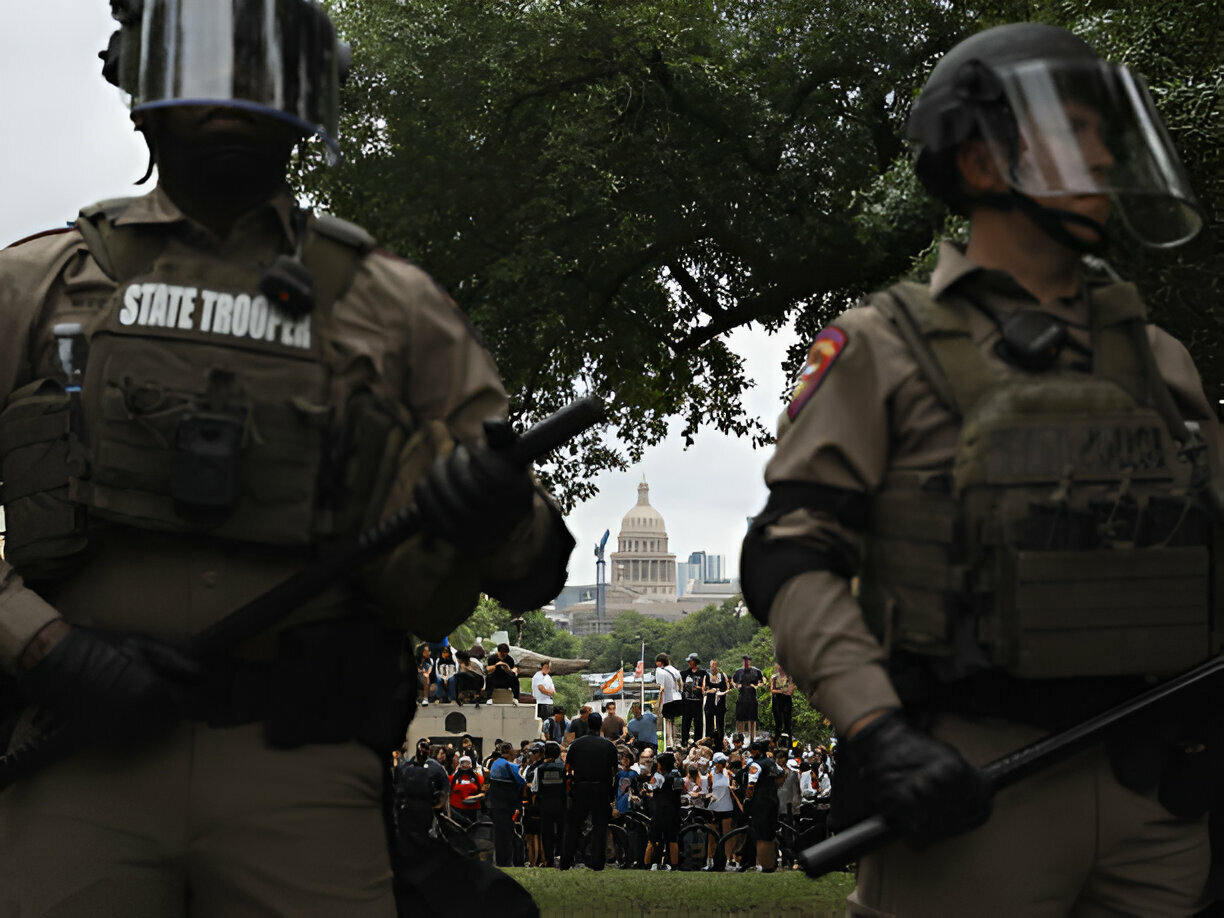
x,y
874,413
393,324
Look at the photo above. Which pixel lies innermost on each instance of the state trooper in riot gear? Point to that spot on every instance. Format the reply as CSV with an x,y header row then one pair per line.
x,y
201,388
1018,468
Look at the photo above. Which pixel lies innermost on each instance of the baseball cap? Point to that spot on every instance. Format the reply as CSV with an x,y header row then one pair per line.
x,y
465,759
693,656
720,757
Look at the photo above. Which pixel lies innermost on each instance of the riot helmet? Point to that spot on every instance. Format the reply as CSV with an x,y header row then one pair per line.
x,y
273,57
1059,122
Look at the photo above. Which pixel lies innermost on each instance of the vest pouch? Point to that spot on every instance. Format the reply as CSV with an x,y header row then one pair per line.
x,y
1101,612
40,452
188,436
374,436
913,587
205,470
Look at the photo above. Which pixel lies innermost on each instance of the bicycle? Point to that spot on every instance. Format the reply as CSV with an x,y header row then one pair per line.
x,y
697,837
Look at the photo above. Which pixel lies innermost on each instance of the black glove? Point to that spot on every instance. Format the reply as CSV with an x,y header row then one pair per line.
x,y
477,495
122,688
920,785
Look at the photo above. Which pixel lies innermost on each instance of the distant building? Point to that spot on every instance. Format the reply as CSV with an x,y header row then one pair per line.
x,y
644,577
701,567
641,564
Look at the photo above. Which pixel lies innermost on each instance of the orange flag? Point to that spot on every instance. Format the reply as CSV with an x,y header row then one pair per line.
x,y
616,684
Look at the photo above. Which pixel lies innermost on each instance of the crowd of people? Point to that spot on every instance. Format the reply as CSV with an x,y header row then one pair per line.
x,y
560,790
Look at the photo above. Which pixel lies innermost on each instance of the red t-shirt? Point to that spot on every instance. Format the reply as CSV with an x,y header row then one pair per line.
x,y
464,785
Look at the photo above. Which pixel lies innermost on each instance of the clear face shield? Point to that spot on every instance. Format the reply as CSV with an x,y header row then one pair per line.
x,y
273,57
1091,131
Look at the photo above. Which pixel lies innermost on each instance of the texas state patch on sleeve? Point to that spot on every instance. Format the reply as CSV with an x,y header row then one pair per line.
x,y
825,350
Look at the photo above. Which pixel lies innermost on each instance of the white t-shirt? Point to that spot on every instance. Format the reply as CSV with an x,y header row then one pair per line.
x,y
720,785
538,681
668,680
805,785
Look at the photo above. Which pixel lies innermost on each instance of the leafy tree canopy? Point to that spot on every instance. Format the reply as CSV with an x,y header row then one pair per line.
x,y
610,188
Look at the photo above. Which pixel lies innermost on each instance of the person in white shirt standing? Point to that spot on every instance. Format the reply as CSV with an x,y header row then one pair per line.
x,y
667,677
542,690
723,803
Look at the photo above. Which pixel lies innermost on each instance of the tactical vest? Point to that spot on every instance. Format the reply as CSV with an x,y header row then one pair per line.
x,y
1069,535
675,782
202,408
552,780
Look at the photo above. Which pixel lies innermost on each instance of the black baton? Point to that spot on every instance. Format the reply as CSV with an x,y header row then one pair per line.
x,y
872,833
268,608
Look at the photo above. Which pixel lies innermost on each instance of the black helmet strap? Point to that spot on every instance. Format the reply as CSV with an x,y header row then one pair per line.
x,y
1050,220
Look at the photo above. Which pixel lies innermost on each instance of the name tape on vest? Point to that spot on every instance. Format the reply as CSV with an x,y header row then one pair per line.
x,y
234,315
1045,453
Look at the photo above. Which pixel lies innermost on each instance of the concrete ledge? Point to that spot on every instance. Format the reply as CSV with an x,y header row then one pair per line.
x,y
484,723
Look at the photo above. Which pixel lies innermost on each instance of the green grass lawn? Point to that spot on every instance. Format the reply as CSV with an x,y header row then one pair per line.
x,y
632,893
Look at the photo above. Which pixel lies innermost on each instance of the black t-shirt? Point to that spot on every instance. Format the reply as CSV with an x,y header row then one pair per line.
x,y
746,676
668,796
766,783
500,676
593,758
507,659
578,727
691,680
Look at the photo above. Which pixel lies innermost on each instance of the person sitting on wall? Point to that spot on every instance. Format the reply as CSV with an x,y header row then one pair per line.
x,y
502,673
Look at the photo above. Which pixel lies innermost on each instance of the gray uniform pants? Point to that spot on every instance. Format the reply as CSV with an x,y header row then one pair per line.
x,y
203,823
1068,843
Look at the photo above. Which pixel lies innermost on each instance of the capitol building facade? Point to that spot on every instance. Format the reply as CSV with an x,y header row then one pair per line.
x,y
641,564
642,577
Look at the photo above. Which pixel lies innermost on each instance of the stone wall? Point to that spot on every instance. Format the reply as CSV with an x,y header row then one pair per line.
x,y
484,723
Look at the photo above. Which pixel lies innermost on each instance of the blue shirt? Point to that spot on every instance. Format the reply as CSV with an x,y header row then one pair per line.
x,y
505,770
645,728
624,788
556,731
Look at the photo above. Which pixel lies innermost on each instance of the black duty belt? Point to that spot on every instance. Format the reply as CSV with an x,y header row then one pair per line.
x,y
1049,704
235,692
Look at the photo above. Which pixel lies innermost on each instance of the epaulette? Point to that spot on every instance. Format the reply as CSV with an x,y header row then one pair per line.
x,y
110,208
344,232
51,232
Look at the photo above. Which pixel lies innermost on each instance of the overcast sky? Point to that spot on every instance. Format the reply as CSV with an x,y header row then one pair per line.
x,y
67,141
